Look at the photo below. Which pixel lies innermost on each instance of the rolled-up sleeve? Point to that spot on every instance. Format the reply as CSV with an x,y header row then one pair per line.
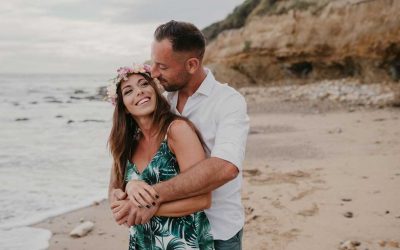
x,y
232,129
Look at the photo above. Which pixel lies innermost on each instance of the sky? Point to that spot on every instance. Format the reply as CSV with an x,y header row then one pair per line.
x,y
91,36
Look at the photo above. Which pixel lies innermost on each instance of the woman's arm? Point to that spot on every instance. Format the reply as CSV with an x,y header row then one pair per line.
x,y
185,144
185,206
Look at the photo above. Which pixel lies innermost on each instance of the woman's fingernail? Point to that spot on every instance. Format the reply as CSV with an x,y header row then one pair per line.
x,y
147,206
154,203
157,196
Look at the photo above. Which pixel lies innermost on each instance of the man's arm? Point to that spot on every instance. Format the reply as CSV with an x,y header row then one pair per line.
x,y
123,213
202,178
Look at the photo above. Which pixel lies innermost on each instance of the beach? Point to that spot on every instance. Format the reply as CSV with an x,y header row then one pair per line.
x,y
320,176
321,79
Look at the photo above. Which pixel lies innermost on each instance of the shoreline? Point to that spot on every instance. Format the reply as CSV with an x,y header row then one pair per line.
x,y
311,181
40,218
103,236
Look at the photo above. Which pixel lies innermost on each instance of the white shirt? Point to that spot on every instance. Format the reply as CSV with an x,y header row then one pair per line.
x,y
220,114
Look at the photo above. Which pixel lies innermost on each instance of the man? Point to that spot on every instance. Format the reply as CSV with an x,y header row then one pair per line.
x,y
219,112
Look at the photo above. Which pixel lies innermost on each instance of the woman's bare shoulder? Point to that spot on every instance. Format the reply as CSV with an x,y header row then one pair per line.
x,y
180,128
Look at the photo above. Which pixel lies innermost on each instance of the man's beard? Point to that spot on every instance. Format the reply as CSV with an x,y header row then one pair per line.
x,y
170,87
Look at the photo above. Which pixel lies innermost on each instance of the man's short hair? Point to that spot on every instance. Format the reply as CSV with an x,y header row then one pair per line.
x,y
183,37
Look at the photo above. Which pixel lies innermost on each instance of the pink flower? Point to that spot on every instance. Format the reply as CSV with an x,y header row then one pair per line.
x,y
147,67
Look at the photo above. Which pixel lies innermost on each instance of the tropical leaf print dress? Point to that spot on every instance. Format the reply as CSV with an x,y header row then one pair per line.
x,y
169,233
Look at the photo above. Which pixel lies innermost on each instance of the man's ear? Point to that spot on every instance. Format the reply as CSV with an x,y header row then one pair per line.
x,y
192,64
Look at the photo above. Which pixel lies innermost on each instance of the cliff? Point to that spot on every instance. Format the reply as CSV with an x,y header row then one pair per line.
x,y
279,41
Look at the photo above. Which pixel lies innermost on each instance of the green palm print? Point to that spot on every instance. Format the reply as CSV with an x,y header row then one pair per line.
x,y
167,233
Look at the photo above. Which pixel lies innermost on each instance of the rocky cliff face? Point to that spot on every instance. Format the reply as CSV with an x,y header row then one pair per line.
x,y
298,41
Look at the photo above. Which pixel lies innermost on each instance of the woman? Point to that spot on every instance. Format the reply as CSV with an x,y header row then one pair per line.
x,y
151,144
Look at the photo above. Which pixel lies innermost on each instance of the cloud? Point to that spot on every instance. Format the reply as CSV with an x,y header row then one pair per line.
x,y
88,36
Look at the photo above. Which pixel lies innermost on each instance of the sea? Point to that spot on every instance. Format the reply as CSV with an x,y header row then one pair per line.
x,y
53,151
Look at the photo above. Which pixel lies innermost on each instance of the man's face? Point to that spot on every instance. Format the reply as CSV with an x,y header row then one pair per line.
x,y
169,66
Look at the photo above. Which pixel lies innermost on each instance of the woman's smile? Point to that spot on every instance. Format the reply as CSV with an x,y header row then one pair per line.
x,y
143,101
138,96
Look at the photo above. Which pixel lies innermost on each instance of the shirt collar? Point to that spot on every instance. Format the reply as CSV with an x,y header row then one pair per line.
x,y
205,87
208,83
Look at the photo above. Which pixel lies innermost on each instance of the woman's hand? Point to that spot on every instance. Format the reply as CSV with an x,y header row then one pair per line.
x,y
141,194
141,215
125,213
120,210
117,194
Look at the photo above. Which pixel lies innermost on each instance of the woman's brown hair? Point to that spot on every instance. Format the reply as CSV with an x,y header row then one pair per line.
x,y
125,134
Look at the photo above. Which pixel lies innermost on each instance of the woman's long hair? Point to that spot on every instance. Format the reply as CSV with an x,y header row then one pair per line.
x,y
125,133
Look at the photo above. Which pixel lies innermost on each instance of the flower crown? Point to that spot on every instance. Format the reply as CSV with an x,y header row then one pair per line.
x,y
122,74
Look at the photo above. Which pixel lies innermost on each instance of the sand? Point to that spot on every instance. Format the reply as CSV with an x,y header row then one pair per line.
x,y
313,179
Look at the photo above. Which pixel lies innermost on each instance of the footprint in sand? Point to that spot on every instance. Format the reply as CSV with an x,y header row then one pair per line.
x,y
251,172
248,210
277,204
272,129
391,243
279,178
309,212
302,194
249,214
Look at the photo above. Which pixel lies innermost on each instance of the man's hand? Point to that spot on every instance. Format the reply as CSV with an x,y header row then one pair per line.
x,y
136,206
120,210
141,215
141,194
126,212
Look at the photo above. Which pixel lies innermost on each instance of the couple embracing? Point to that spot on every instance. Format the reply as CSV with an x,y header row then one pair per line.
x,y
177,157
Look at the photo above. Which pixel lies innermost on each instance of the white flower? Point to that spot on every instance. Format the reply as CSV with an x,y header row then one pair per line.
x,y
137,68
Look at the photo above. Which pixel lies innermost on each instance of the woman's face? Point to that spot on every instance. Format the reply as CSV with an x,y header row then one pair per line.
x,y
138,95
